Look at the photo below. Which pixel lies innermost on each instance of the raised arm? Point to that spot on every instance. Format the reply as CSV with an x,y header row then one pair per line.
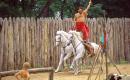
x,y
86,10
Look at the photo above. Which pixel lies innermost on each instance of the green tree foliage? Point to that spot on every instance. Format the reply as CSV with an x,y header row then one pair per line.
x,y
16,8
96,11
46,8
116,8
70,7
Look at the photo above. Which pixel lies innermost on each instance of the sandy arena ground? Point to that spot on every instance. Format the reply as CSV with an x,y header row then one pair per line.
x,y
68,75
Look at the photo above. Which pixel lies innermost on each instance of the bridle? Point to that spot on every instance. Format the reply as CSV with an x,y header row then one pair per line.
x,y
60,41
74,46
60,38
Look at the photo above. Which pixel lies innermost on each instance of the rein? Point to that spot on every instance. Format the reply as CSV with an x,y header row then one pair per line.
x,y
64,42
75,46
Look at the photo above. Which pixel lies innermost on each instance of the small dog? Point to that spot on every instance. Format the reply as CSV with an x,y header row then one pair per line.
x,y
23,74
118,77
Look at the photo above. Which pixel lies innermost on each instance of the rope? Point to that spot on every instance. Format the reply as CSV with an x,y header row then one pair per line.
x,y
93,66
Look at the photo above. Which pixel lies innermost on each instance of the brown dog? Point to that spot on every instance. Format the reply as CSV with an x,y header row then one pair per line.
x,y
23,74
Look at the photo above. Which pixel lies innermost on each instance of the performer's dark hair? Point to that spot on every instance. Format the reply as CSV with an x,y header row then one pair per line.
x,y
80,7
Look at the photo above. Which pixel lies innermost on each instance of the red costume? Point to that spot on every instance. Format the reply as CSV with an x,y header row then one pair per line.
x,y
81,26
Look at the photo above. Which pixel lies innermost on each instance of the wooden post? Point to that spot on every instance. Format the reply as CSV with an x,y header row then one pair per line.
x,y
51,74
105,45
0,77
106,54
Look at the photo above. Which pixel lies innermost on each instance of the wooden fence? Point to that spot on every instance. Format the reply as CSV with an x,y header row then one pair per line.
x,y
33,40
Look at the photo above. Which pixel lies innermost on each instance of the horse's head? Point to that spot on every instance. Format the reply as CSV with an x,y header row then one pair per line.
x,y
58,37
61,37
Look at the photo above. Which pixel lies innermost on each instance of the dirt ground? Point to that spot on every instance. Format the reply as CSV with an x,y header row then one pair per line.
x,y
68,75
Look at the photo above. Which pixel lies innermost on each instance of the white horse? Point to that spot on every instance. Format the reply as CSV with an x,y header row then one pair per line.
x,y
62,39
80,48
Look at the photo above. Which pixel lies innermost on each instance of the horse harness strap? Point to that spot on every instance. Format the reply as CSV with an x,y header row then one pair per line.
x,y
66,46
88,46
76,46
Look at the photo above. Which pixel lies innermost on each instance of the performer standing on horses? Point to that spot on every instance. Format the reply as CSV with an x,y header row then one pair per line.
x,y
81,26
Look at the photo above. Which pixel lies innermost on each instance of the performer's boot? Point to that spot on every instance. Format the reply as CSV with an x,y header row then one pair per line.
x,y
89,48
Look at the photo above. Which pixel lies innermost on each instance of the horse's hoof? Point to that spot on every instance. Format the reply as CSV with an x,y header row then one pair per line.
x,y
75,74
71,67
56,71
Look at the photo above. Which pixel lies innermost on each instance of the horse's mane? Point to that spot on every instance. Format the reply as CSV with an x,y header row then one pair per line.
x,y
63,33
77,34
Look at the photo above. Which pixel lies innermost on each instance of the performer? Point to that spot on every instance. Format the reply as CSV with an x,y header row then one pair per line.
x,y
81,26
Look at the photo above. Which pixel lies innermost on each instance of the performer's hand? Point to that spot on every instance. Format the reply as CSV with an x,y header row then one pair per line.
x,y
90,1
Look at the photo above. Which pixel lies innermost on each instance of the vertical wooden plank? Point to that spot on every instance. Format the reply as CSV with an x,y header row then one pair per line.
x,y
38,43
46,40
114,53
56,48
38,50
48,37
35,46
116,40
127,23
10,45
119,31
42,39
30,40
53,49
27,40
1,44
122,38
50,40
29,33
111,39
51,37
15,44
22,40
5,55
33,21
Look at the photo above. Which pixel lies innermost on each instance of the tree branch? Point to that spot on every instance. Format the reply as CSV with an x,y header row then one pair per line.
x,y
45,10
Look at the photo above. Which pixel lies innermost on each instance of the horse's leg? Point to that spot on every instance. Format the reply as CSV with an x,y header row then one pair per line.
x,y
68,55
79,55
76,61
61,62
77,67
